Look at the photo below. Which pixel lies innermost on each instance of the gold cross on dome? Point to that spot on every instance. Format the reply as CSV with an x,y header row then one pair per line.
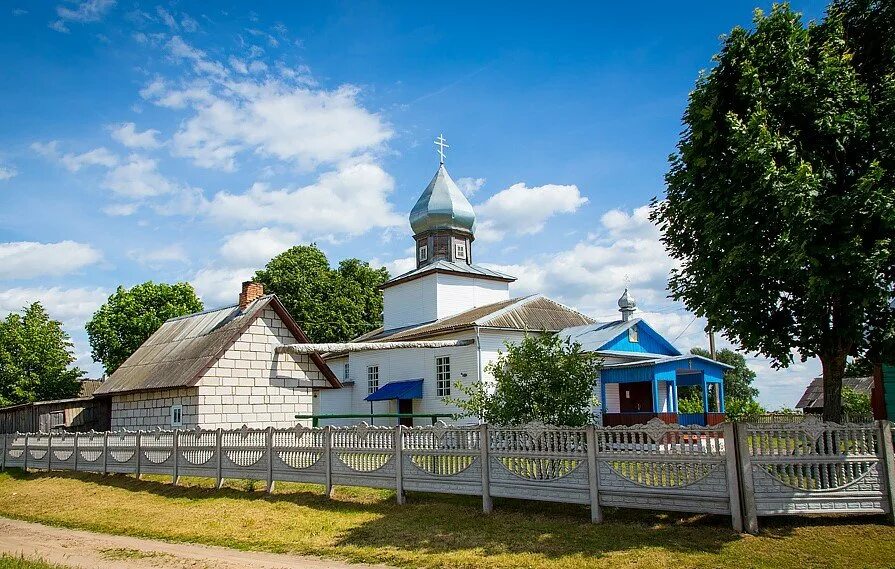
x,y
440,143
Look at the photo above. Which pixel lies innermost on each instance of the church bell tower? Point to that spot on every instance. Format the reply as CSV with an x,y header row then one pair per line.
x,y
443,220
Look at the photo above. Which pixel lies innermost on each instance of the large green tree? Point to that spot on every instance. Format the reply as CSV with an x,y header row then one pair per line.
x,y
330,304
35,358
737,381
780,200
542,378
131,315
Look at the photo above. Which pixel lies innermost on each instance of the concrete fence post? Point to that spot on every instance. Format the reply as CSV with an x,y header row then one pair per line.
x,y
139,453
219,456
175,476
106,452
49,451
3,460
733,477
269,440
399,463
75,451
888,459
747,485
484,443
593,480
328,456
25,464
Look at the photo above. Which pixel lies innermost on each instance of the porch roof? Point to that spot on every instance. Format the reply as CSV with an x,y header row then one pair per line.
x,y
671,368
405,389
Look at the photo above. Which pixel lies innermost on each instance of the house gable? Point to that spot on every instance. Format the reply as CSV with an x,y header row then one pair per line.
x,y
648,341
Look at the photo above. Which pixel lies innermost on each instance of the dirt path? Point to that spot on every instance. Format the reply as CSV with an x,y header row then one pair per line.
x,y
88,550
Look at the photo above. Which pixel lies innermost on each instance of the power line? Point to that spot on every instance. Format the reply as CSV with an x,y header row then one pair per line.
x,y
685,329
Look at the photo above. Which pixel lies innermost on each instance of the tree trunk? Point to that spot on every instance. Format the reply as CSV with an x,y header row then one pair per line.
x,y
834,370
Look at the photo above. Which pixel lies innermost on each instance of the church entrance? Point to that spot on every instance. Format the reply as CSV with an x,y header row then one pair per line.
x,y
405,406
636,397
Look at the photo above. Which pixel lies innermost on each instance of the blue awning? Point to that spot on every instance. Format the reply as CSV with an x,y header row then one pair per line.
x,y
405,389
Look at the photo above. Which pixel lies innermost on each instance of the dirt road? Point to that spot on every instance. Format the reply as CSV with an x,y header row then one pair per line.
x,y
87,550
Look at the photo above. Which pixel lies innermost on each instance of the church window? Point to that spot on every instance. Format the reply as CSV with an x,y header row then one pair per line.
x,y
423,252
345,372
443,376
372,379
460,250
632,334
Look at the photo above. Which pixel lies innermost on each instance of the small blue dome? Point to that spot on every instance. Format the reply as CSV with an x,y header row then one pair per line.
x,y
442,206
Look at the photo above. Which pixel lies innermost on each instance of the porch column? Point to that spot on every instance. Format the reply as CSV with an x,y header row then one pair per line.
x,y
721,397
674,408
656,407
705,394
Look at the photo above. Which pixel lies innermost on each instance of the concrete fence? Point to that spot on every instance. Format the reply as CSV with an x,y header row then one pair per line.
x,y
739,470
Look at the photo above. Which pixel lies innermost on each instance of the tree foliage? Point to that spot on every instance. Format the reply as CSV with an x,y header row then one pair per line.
x,y
780,199
858,367
542,378
331,305
130,316
855,405
35,359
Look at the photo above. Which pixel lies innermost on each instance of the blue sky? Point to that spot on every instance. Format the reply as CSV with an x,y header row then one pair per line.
x,y
192,141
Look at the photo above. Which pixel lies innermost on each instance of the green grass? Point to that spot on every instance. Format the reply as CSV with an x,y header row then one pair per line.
x,y
11,562
433,531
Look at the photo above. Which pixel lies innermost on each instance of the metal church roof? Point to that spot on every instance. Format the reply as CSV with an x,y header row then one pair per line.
x,y
449,267
442,206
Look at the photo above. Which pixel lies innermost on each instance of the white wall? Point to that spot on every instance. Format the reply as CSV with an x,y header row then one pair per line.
x,y
411,302
152,409
458,293
613,399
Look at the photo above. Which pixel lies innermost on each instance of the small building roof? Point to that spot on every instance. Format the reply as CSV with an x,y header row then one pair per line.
x,y
404,389
442,266
813,398
666,359
535,312
594,337
184,348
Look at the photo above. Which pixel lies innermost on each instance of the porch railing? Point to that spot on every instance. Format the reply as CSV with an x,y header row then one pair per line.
x,y
629,419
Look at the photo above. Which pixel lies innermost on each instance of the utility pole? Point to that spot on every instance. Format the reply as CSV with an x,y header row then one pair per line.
x,y
711,332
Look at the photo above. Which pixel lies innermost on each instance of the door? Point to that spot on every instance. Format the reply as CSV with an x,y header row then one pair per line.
x,y
405,406
636,397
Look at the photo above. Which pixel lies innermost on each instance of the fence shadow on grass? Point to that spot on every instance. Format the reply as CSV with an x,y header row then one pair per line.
x,y
439,523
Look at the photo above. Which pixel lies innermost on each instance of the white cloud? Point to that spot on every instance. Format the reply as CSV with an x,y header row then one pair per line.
x,y
397,266
121,209
126,134
469,186
350,200
138,177
220,286
97,157
81,12
7,172
279,117
256,247
29,259
155,258
72,306
523,210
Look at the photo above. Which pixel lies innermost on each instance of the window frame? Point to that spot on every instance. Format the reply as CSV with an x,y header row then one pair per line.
x,y
176,415
443,384
372,383
633,335
422,253
458,247
346,372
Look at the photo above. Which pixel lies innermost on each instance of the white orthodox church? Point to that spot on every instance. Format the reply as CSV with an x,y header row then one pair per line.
x,y
447,319
443,322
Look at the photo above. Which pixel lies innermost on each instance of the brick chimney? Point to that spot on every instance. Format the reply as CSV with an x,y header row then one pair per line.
x,y
250,291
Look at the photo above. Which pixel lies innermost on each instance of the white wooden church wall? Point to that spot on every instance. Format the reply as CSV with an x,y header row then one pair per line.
x,y
411,302
460,293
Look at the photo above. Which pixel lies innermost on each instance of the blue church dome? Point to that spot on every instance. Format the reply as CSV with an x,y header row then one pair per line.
x,y
442,206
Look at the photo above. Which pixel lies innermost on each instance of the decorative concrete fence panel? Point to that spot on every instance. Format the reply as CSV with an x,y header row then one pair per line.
x,y
364,456
815,467
742,471
667,467
442,459
539,463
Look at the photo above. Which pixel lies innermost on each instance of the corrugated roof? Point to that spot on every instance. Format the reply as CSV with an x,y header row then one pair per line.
x,y
813,398
180,351
594,336
449,267
665,359
534,312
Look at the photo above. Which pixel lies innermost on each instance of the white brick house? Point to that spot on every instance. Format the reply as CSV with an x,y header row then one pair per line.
x,y
219,369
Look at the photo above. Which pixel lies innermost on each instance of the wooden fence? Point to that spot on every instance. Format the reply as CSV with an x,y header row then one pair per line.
x,y
738,470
